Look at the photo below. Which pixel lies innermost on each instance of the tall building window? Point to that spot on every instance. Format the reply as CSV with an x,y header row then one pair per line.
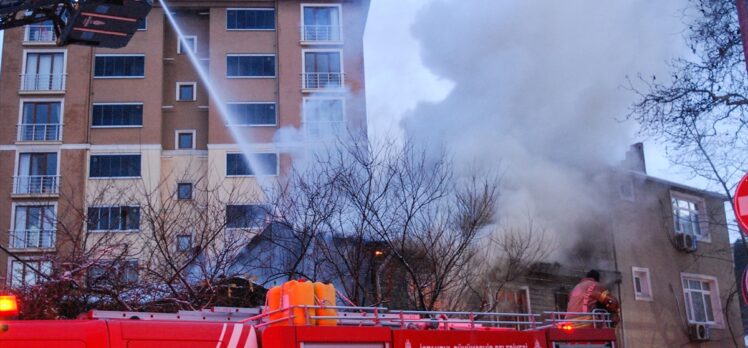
x,y
33,227
186,91
119,66
250,19
321,23
37,173
184,191
237,164
117,115
45,71
185,140
115,166
29,272
686,216
642,284
322,69
40,32
250,66
188,42
143,24
702,299
40,121
114,219
253,114
246,216
184,242
107,272
324,118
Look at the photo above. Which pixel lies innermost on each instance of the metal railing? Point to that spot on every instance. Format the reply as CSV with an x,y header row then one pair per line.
x,y
39,132
40,33
598,318
32,239
36,184
43,82
321,33
332,80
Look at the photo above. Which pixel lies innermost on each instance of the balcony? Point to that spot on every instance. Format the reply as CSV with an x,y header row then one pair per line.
x,y
32,239
321,33
322,81
48,83
36,185
40,33
39,132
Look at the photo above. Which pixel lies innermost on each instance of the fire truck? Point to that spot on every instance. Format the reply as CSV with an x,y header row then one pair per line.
x,y
307,326
104,23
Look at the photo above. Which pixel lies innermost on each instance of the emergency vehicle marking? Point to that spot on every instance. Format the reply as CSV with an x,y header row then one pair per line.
x,y
220,338
234,341
251,341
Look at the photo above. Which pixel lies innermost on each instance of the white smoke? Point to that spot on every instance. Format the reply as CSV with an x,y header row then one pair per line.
x,y
538,92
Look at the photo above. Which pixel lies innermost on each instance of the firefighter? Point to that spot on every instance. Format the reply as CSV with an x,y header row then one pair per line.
x,y
588,296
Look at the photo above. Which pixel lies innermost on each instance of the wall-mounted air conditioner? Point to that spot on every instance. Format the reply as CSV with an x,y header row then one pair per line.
x,y
698,332
685,242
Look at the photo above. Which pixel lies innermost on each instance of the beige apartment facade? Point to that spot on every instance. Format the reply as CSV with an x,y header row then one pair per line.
x,y
87,131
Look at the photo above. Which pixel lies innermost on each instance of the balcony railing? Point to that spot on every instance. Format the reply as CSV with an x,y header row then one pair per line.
x,y
320,33
32,239
332,80
36,185
39,132
40,33
43,82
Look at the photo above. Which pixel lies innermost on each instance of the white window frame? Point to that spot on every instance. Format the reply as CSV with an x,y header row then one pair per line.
x,y
31,203
184,131
268,217
254,125
226,25
36,43
43,100
9,279
342,68
340,20
304,111
703,223
194,91
145,21
93,68
192,240
251,55
192,190
25,150
88,166
117,103
46,50
180,49
277,168
714,293
140,222
644,295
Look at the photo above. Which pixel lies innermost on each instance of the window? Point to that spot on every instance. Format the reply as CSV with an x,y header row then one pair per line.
x,y
324,118
237,164
40,32
321,23
184,191
250,66
702,299
186,91
27,272
250,19
184,242
119,66
124,218
44,71
642,284
40,121
253,114
246,216
108,272
185,140
143,24
686,218
115,166
37,173
34,227
322,69
117,115
189,42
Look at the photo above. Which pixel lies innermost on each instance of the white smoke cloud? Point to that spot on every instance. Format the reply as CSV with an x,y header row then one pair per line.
x,y
538,92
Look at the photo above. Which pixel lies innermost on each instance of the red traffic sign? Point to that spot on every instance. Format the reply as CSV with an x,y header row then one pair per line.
x,y
740,204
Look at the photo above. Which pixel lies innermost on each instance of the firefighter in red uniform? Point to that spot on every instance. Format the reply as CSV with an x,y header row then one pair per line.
x,y
589,295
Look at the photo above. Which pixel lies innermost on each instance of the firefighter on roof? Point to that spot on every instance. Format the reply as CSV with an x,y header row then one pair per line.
x,y
588,296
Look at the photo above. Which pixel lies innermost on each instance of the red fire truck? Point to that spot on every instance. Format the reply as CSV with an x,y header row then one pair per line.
x,y
360,327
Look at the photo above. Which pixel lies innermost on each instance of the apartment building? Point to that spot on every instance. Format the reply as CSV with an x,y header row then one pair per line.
x,y
78,121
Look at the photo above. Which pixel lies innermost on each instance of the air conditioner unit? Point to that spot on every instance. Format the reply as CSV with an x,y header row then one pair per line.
x,y
685,242
698,332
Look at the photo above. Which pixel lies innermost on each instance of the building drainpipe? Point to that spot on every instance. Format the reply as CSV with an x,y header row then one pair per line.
x,y
277,65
